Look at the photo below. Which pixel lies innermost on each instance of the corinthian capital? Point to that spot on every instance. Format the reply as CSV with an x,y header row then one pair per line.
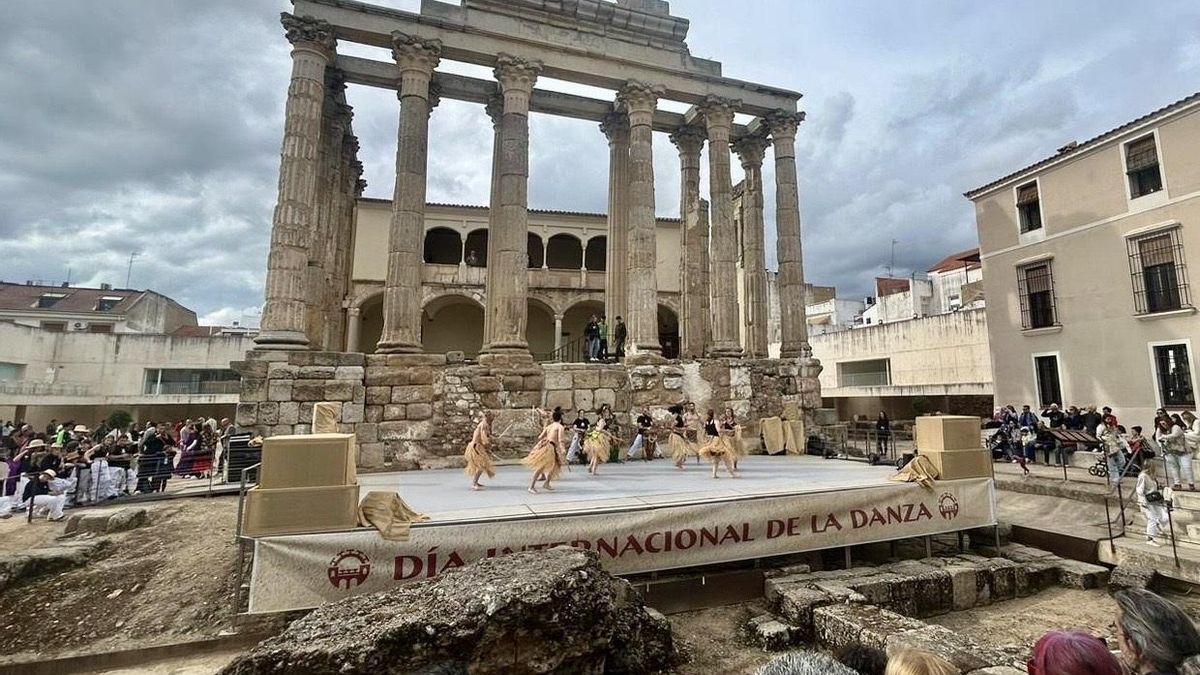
x,y
615,126
689,139
718,111
305,29
751,149
636,97
516,74
414,53
784,123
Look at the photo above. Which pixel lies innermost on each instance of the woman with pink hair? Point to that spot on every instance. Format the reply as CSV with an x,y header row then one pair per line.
x,y
1072,653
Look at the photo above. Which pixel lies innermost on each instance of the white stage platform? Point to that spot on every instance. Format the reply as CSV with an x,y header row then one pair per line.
x,y
638,517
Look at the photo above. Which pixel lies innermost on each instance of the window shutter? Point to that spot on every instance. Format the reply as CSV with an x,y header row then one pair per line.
x,y
1037,279
1140,155
1027,194
1156,251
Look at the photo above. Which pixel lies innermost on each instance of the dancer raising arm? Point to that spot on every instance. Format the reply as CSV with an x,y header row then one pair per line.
x,y
718,449
479,451
544,458
598,445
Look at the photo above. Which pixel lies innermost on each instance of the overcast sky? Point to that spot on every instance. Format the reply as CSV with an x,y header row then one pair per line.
x,y
153,126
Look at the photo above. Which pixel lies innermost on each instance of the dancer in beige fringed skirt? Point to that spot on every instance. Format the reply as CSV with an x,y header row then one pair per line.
x,y
479,452
597,445
693,426
732,432
718,449
678,442
546,456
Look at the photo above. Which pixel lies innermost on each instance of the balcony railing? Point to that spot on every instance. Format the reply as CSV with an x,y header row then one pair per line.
x,y
192,388
34,388
874,379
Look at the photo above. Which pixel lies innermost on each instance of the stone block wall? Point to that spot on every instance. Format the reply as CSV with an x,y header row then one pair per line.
x,y
418,410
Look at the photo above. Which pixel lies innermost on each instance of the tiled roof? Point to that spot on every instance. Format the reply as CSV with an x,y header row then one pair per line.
x,y
885,286
1074,148
964,260
547,212
75,300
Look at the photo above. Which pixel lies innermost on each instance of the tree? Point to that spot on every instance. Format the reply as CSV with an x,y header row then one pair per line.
x,y
119,419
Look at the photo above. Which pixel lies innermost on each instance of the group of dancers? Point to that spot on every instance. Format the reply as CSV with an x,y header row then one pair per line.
x,y
684,433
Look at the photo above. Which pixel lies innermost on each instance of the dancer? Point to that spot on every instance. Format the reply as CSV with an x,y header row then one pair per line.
x,y
643,440
678,442
479,452
579,429
718,448
597,446
733,436
692,427
544,458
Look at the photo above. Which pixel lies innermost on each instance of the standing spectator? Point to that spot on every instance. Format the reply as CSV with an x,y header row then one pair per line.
x,y
51,428
1156,636
121,461
603,327
1027,420
883,432
591,337
1072,653
619,335
18,465
1074,419
1191,432
1092,420
1173,444
1150,500
1114,447
1055,416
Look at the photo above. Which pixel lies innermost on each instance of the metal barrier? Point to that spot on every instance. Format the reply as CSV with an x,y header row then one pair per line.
x,y
245,551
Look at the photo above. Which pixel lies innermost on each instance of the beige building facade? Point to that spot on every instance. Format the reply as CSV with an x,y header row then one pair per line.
x,y
1086,259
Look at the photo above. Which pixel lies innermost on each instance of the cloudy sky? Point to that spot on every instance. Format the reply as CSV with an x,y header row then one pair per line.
x,y
152,127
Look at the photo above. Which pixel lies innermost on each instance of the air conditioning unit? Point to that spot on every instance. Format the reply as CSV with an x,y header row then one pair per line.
x,y
79,325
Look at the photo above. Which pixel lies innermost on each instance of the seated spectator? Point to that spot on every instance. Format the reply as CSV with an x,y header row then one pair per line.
x,y
47,493
1156,637
804,663
862,659
917,662
1042,440
1072,653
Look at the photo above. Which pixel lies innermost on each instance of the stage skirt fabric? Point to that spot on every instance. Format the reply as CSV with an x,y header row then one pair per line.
x,y
717,447
735,443
680,447
478,460
597,446
544,458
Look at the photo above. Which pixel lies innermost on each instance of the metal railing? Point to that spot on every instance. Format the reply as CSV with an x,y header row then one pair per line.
x,y
34,388
575,351
187,388
872,379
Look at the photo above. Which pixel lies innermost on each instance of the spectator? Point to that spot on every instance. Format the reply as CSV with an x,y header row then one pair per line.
x,y
1173,444
862,659
1055,416
883,432
1072,653
916,662
1042,440
619,335
591,336
19,464
1114,447
47,492
804,663
1092,420
1191,432
1150,500
1155,636
1074,419
1027,419
603,328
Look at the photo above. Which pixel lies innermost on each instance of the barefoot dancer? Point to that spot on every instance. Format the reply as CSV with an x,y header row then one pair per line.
x,y
678,442
545,458
718,449
733,432
479,452
692,427
597,446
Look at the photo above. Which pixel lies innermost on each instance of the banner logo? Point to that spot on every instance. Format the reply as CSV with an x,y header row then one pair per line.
x,y
349,568
948,506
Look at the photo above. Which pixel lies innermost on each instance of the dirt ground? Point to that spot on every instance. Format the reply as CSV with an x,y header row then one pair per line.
x,y
168,582
711,639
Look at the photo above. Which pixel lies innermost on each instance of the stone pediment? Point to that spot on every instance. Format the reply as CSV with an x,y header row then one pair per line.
x,y
637,21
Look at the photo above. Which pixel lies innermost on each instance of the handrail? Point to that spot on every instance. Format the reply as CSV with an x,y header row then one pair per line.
x,y
574,351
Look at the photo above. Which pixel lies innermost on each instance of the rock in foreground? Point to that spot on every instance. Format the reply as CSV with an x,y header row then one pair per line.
x,y
550,611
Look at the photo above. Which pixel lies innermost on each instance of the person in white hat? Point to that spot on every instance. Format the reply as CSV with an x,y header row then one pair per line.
x,y
48,492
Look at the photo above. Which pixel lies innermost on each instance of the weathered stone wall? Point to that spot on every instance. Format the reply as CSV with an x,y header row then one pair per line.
x,y
418,410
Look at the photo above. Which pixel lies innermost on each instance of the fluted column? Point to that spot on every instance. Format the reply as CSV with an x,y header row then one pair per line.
x,y
705,266
349,191
751,150
508,256
638,101
416,58
321,295
495,112
718,119
792,322
615,126
689,140
284,313
353,326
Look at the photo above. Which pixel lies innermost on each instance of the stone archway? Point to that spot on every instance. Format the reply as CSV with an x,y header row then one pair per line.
x,y
668,331
575,320
443,246
370,323
539,329
452,323
564,252
595,254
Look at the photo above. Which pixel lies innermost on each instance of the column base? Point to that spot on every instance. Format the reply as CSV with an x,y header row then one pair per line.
x,y
506,359
506,347
397,348
645,358
282,339
726,351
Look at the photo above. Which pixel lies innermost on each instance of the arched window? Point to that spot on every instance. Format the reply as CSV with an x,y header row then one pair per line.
x,y
564,252
443,246
476,249
595,257
536,251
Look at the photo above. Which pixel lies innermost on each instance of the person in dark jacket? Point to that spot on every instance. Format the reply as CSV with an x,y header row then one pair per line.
x,y
1054,415
619,335
883,432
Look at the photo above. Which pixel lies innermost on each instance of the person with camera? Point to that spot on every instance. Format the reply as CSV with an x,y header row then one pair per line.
x,y
1150,500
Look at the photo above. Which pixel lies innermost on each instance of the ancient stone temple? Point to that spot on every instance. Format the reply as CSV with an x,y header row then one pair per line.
x,y
414,316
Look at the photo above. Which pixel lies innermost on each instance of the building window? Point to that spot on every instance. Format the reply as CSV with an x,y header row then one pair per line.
x,y
1029,207
100,328
1048,386
1173,373
107,303
873,373
54,326
1036,286
182,381
1159,273
47,300
1141,166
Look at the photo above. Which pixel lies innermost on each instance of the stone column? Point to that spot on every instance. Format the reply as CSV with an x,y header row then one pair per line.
x,y
284,313
616,288
792,321
705,266
718,119
416,58
353,326
495,112
558,319
508,257
689,140
638,101
750,150
323,300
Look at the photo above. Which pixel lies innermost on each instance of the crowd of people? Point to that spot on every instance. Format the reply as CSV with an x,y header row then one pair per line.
x,y
1153,635
717,440
602,341
69,464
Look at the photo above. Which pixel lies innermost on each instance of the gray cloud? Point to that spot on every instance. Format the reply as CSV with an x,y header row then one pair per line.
x,y
155,126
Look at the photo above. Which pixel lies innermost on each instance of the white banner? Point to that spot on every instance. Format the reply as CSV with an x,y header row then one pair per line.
x,y
304,571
